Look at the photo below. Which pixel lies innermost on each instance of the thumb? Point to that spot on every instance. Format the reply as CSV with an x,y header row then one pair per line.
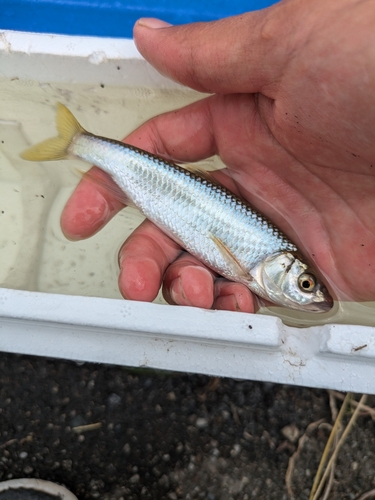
x,y
236,54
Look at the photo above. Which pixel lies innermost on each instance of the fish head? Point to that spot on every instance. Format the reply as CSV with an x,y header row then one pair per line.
x,y
288,281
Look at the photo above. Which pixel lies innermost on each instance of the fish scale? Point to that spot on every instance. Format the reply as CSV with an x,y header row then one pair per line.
x,y
185,205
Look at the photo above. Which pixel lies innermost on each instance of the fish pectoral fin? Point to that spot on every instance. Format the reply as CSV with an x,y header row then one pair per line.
x,y
230,259
104,181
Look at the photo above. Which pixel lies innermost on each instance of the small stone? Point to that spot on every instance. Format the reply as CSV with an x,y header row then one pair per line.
x,y
164,481
171,396
28,469
23,455
235,451
291,432
201,423
247,436
156,472
67,464
113,400
179,448
225,414
135,479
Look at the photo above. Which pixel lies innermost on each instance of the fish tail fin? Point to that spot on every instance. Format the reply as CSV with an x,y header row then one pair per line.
x,y
56,148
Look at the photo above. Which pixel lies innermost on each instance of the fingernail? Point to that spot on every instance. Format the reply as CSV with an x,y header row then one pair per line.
x,y
177,293
227,303
153,23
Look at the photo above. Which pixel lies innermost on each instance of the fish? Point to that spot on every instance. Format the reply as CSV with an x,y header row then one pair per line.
x,y
210,222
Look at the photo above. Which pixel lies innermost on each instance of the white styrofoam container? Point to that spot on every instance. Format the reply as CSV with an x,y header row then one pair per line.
x,y
111,330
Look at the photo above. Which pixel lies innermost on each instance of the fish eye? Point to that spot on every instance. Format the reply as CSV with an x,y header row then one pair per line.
x,y
307,282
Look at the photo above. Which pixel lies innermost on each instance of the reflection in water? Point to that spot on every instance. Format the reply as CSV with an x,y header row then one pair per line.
x,y
352,313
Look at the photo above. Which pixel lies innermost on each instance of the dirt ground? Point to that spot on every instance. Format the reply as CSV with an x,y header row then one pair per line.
x,y
115,433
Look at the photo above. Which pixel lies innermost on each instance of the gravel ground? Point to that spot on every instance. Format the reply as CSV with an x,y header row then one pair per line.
x,y
115,433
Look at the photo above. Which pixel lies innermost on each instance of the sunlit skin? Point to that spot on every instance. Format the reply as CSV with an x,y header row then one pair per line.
x,y
292,118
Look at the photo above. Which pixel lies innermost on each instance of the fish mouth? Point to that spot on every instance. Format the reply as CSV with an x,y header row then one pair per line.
x,y
323,307
324,302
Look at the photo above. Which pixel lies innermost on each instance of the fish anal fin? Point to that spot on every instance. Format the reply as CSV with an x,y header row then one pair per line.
x,y
231,260
106,184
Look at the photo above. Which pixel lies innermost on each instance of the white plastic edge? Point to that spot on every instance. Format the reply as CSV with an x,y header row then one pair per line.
x,y
26,484
91,59
187,340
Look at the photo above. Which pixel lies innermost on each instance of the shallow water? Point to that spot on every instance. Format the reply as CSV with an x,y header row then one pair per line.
x,y
34,254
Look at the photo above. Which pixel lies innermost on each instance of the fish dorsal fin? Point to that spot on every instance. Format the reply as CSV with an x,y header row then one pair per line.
x,y
200,172
104,181
230,259
224,182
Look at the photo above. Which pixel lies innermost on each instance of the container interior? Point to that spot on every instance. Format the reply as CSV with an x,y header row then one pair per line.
x,y
111,95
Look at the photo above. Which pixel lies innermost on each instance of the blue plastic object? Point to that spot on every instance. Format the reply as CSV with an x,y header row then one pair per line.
x,y
112,18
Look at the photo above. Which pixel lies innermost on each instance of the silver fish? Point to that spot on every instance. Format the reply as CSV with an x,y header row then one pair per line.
x,y
210,222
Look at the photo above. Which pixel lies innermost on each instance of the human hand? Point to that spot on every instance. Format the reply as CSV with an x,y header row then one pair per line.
x,y
292,119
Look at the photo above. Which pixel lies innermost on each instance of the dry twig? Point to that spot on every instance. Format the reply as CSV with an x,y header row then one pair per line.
x,y
332,404
318,477
330,482
293,458
85,428
366,495
353,402
8,443
339,444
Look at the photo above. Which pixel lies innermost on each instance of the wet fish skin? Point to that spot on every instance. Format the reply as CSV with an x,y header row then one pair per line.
x,y
186,206
210,222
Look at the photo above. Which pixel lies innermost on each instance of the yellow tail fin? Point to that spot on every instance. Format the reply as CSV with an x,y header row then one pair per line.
x,y
56,148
